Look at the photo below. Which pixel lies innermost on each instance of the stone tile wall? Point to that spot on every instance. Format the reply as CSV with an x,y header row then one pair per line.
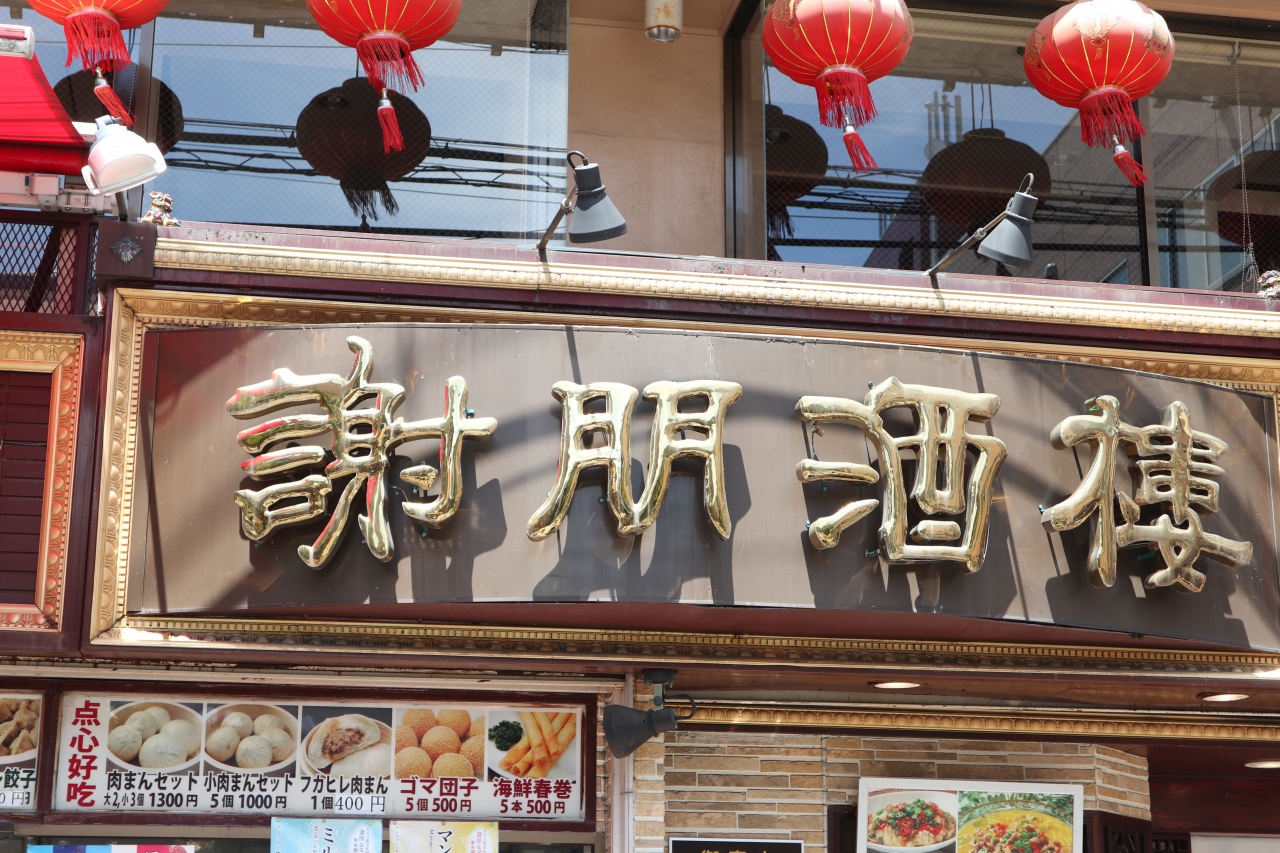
x,y
746,785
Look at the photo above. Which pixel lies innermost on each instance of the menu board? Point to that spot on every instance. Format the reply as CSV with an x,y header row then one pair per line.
x,y
927,815
430,760
19,745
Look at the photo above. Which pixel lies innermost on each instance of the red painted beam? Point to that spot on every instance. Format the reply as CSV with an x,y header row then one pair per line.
x,y
49,159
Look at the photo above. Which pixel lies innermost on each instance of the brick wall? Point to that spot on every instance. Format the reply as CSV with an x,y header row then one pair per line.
x,y
747,785
651,796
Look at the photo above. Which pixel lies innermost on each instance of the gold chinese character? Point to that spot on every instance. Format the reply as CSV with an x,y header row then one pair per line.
x,y
1173,467
363,440
614,423
941,443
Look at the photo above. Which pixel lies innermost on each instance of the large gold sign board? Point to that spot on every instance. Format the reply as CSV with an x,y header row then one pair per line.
x,y
302,467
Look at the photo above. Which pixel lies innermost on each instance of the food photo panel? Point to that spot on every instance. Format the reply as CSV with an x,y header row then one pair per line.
x,y
251,737
154,735
926,815
346,741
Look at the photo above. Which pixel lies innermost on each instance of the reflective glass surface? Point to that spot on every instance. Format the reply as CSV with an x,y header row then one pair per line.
x,y
266,120
959,125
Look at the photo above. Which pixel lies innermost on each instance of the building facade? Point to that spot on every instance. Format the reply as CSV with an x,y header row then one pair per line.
x,y
340,498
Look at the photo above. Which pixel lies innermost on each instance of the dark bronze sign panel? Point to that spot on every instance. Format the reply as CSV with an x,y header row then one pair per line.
x,y
732,845
192,554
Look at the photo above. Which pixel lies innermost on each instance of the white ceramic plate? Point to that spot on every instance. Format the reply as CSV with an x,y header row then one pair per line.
x,y
213,720
176,712
948,801
304,765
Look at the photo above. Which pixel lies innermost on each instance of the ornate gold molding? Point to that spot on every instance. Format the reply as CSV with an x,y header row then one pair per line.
x,y
966,721
136,311
709,287
62,356
625,647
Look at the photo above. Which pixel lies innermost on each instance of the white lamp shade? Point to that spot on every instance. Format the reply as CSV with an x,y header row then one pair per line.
x,y
120,160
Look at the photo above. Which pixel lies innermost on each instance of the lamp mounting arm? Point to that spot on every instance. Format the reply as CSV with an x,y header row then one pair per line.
x,y
982,233
972,240
566,207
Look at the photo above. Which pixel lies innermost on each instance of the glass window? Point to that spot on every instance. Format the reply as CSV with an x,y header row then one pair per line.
x,y
1208,112
266,120
959,126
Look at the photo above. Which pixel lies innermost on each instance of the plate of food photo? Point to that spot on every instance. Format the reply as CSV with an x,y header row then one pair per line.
x,y
253,737
915,821
1016,822
19,728
154,736
439,742
533,744
351,744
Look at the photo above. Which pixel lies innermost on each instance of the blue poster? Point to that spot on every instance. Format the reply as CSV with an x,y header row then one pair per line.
x,y
294,835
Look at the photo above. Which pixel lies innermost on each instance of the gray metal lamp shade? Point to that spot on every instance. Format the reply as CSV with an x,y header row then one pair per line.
x,y
627,729
594,216
1010,242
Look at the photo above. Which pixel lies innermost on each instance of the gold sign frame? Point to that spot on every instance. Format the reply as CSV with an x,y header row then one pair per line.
x,y
136,311
62,356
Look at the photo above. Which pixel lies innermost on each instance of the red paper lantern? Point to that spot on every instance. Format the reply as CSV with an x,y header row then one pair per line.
x,y
1099,56
93,27
338,134
386,33
838,47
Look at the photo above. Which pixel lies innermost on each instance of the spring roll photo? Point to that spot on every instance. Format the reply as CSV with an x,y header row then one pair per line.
x,y
548,737
537,743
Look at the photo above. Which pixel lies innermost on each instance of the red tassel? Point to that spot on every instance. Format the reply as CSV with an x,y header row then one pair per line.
x,y
107,95
94,35
842,94
1106,113
388,61
859,156
392,140
1133,170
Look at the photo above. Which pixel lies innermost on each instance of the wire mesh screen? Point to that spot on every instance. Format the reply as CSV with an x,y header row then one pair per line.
x,y
37,267
959,127
1215,154
281,128
264,119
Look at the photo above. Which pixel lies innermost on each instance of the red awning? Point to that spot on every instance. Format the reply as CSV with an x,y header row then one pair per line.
x,y
36,134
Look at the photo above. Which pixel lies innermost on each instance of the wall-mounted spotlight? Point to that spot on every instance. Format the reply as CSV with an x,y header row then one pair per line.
x,y
627,729
1005,239
663,19
593,217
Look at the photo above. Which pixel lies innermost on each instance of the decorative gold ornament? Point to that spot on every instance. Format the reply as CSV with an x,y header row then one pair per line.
x,y
614,423
941,440
62,356
1174,466
362,455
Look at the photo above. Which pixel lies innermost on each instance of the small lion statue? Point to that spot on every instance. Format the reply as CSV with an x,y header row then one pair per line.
x,y
161,212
